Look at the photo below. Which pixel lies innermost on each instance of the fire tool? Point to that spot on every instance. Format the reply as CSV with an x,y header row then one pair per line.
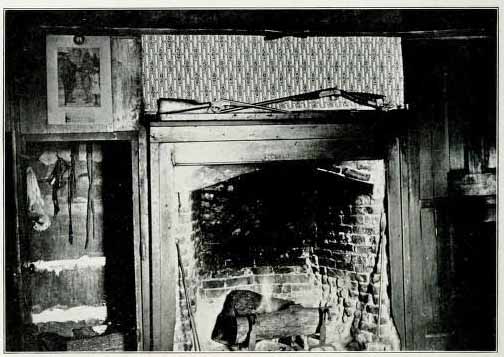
x,y
196,341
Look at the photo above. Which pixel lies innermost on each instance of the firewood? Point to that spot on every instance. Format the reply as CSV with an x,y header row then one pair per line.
x,y
294,320
243,303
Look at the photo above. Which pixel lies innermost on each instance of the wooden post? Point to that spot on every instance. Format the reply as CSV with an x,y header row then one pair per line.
x,y
137,242
18,195
168,253
143,188
394,218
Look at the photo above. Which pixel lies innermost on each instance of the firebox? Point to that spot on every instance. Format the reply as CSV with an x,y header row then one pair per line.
x,y
269,233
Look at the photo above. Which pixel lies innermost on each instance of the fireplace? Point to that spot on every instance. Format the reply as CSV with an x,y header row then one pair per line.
x,y
269,233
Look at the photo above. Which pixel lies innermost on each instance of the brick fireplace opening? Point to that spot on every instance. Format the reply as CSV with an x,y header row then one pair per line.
x,y
280,222
286,230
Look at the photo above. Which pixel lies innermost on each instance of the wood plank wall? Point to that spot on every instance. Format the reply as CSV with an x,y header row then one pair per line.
x,y
27,110
31,90
451,89
59,274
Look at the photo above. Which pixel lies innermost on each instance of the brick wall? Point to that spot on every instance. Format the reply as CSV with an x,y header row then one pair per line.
x,y
291,232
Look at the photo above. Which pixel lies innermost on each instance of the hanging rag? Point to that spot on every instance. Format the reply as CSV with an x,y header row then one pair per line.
x,y
56,180
36,213
90,202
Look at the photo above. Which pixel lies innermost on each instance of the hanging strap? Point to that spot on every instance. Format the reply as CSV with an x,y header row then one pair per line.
x,y
90,202
71,190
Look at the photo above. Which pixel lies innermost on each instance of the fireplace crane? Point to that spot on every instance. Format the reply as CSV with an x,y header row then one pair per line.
x,y
175,105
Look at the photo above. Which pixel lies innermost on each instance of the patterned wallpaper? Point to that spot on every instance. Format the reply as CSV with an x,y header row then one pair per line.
x,y
250,69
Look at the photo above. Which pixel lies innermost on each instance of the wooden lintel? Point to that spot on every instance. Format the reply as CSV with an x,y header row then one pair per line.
x,y
244,152
195,133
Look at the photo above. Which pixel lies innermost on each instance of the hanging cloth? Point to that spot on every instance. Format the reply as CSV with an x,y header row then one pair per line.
x,y
57,181
41,220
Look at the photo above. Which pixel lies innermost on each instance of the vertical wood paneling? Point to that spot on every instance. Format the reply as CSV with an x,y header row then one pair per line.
x,y
430,270
19,196
143,179
137,243
475,152
416,246
395,238
126,82
456,136
155,247
409,318
440,151
169,276
426,179
444,266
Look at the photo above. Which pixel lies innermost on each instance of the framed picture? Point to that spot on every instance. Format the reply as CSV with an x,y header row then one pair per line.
x,y
78,80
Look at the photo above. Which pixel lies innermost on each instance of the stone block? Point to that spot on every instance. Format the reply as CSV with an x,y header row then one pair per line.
x,y
359,239
343,293
360,268
354,293
362,200
372,220
359,229
286,289
331,272
212,284
263,270
297,278
345,228
357,219
299,287
327,263
348,302
325,252
370,261
372,309
364,249
366,298
237,281
277,289
340,282
288,270
363,287
362,278
349,311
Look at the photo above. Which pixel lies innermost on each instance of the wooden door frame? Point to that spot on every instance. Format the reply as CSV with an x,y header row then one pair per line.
x,y
406,246
399,275
140,194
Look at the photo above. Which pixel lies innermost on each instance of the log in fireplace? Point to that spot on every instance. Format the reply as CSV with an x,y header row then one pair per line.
x,y
278,249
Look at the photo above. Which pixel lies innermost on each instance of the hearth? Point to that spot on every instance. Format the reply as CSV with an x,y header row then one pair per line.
x,y
279,249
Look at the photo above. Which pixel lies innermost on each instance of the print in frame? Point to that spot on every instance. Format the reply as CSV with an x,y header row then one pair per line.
x,y
78,80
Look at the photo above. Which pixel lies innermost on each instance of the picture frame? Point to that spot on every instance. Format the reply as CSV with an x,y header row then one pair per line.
x,y
79,89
